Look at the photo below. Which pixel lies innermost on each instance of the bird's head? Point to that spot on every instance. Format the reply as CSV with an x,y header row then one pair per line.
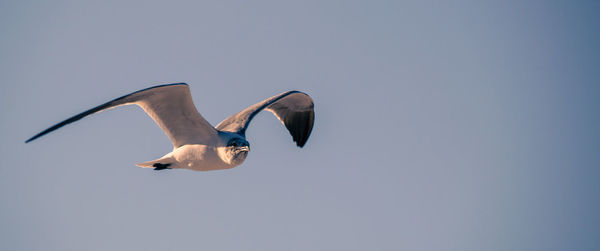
x,y
235,151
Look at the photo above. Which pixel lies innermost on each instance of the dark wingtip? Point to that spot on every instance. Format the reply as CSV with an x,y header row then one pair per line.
x,y
300,126
34,137
43,133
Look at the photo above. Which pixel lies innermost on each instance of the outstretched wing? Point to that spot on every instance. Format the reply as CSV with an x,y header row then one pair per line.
x,y
293,108
170,106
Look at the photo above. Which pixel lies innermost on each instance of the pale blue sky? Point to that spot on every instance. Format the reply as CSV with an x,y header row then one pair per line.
x,y
463,125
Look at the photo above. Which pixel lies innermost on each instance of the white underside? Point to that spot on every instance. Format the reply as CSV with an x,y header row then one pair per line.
x,y
194,157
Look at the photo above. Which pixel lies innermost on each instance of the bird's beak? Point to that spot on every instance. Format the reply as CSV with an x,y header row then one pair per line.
x,y
245,148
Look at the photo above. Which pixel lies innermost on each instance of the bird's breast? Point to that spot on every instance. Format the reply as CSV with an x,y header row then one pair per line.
x,y
199,158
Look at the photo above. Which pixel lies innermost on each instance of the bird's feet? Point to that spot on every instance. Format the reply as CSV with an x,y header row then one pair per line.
x,y
159,166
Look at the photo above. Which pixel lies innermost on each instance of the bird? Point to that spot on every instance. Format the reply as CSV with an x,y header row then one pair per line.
x,y
197,145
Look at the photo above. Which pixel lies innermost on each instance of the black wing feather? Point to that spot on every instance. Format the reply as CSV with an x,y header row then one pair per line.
x,y
299,124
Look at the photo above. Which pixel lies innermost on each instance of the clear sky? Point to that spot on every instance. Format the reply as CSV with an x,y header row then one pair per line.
x,y
444,125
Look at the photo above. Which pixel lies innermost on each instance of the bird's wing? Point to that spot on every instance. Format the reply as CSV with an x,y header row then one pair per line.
x,y
170,106
293,108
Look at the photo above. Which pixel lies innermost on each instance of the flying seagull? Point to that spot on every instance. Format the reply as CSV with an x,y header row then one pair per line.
x,y
197,145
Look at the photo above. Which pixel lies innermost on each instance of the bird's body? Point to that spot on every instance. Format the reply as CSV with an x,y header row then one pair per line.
x,y
203,157
195,157
196,144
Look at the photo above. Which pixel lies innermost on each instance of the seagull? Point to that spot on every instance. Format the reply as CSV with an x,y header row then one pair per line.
x,y
197,145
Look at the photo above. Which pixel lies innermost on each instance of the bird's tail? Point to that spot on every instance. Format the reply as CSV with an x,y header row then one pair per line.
x,y
158,164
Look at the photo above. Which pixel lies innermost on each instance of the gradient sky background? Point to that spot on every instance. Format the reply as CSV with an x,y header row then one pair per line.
x,y
445,125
